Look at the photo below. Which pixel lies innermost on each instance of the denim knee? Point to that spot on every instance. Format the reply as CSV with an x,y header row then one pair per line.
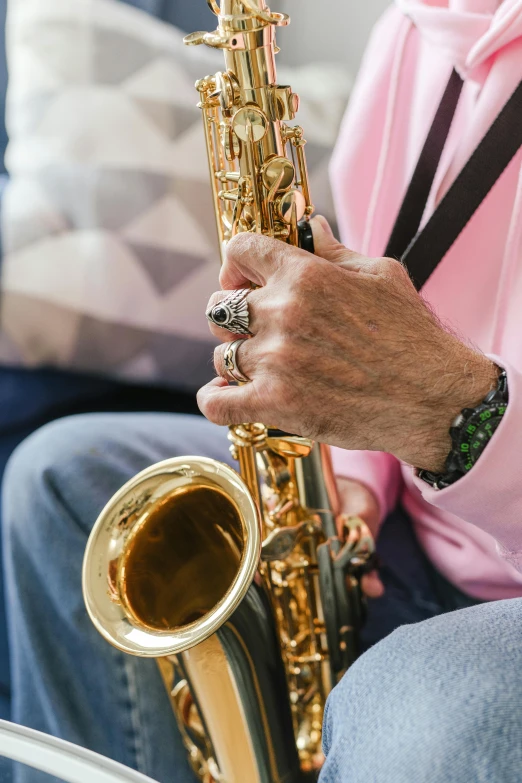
x,y
64,474
438,701
67,680
57,465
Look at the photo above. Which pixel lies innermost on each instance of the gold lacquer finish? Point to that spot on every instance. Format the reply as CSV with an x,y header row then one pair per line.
x,y
179,545
257,162
173,555
151,581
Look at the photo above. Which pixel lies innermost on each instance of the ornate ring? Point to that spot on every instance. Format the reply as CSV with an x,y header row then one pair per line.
x,y
232,313
230,359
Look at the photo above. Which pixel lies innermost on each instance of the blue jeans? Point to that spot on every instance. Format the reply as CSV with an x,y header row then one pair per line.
x,y
32,398
438,700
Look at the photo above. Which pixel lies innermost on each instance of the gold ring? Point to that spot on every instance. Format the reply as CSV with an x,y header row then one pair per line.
x,y
231,366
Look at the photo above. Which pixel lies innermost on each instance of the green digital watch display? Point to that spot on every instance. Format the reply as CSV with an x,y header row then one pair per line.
x,y
470,434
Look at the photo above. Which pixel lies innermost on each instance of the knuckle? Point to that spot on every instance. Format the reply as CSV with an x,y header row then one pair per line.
x,y
239,245
275,354
215,299
215,411
302,275
247,245
392,267
316,271
309,280
291,312
215,407
203,403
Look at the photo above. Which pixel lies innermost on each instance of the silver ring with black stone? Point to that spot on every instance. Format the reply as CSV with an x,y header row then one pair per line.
x,y
232,313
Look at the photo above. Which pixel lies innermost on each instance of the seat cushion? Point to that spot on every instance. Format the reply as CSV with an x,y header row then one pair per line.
x,y
109,194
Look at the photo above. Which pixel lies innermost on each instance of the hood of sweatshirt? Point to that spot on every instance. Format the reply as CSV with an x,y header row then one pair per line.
x,y
470,32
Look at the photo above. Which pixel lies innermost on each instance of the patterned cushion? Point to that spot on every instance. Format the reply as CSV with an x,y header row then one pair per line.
x,y
109,237
3,84
189,15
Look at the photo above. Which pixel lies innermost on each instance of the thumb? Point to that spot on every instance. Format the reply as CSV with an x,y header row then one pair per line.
x,y
327,246
371,585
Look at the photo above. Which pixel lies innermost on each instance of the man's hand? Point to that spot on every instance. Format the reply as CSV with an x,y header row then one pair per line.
x,y
344,351
357,500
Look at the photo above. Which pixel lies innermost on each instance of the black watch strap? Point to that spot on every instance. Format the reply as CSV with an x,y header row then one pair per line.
x,y
470,432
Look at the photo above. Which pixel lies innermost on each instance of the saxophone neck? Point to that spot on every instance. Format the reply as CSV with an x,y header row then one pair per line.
x,y
257,9
237,7
246,30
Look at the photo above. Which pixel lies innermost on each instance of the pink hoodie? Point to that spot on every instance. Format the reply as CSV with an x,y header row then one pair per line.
x,y
471,531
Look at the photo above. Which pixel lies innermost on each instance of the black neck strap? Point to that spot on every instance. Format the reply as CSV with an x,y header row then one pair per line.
x,y
422,252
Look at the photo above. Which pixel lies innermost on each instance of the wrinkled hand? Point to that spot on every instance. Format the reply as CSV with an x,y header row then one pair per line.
x,y
357,500
344,351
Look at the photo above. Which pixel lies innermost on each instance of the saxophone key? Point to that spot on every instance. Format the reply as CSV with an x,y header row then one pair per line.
x,y
250,124
278,175
291,206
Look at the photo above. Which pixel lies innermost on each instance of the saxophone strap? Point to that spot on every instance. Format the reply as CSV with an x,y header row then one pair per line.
x,y
422,251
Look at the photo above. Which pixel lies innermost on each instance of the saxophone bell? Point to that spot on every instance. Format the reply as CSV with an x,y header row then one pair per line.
x,y
171,557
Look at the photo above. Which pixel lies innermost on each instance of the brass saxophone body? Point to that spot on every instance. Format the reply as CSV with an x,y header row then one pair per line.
x,y
257,162
236,581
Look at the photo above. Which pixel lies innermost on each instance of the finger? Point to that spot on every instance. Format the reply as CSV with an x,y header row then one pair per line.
x,y
254,304
246,359
371,585
318,761
224,404
327,247
254,258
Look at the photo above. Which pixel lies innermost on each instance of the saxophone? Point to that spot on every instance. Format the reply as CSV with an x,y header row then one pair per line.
x,y
237,582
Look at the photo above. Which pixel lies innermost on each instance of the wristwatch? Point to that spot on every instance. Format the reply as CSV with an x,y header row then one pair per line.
x,y
470,434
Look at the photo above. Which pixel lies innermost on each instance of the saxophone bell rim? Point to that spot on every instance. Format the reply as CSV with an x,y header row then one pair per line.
x,y
107,541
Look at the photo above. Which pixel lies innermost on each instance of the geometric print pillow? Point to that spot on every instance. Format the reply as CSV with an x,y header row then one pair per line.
x,y
110,250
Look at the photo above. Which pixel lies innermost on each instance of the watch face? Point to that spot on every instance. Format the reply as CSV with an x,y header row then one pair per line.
x,y
475,434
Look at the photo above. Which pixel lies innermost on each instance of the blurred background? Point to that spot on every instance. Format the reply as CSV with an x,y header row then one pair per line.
x,y
330,30
313,32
